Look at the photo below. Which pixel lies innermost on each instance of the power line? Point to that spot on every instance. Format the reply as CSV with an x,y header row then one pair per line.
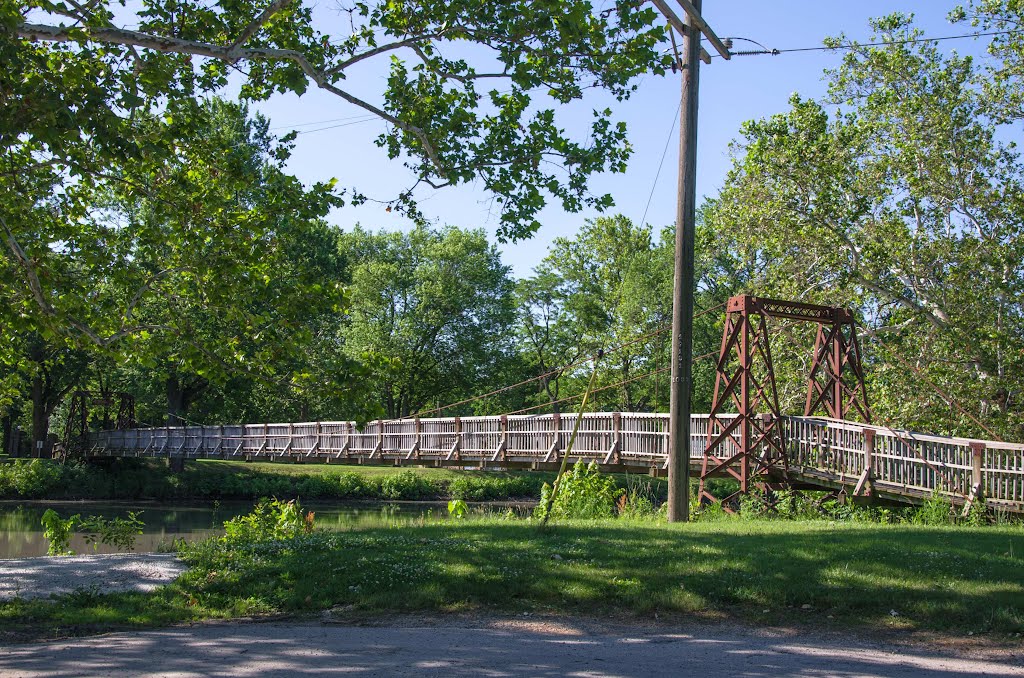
x,y
317,122
671,131
362,119
368,118
882,43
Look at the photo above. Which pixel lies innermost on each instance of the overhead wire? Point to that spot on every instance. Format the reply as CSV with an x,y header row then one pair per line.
x,y
880,43
661,163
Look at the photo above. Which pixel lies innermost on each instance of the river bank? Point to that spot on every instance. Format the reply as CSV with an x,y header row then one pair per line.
x,y
165,524
138,479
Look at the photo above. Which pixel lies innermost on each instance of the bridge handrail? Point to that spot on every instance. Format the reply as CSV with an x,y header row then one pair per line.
x,y
833,451
913,435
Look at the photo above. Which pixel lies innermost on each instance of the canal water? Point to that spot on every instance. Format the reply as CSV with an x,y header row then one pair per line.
x,y
21,534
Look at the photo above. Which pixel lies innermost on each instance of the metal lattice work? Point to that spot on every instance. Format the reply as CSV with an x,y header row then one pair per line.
x,y
837,374
107,410
750,444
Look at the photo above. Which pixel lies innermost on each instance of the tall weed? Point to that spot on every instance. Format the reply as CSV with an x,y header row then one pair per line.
x,y
584,492
270,520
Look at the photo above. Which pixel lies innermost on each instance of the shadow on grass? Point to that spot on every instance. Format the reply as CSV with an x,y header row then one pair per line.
x,y
930,578
949,579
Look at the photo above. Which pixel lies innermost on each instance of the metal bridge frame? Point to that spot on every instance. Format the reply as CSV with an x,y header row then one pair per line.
x,y
83,404
749,446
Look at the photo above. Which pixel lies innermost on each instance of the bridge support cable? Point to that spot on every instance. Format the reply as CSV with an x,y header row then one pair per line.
x,y
975,491
942,394
558,371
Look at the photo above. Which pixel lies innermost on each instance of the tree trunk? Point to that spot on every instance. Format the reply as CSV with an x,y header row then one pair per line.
x,y
8,429
40,418
177,403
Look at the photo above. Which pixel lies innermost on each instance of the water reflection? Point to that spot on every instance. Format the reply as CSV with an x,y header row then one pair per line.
x,y
21,534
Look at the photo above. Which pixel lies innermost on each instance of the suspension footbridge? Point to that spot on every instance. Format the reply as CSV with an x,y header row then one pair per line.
x,y
745,436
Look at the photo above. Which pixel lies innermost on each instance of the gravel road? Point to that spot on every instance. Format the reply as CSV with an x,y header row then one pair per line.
x,y
40,577
496,649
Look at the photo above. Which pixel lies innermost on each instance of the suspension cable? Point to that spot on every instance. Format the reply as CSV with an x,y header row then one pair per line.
x,y
609,386
558,370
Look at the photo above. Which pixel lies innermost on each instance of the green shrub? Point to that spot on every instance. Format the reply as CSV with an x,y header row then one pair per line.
x,y
117,532
936,510
270,520
639,500
29,479
352,486
57,531
408,485
457,509
583,493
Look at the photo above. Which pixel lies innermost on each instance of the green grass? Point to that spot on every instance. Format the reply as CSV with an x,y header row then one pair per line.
x,y
236,467
951,579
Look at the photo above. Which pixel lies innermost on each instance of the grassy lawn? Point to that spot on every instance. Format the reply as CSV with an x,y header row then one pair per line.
x,y
291,469
949,579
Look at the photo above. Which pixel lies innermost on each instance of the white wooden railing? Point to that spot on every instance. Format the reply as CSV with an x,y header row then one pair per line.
x,y
821,451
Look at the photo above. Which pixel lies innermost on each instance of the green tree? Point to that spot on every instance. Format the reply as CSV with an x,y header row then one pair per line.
x,y
437,305
96,115
548,337
616,285
903,204
228,262
1000,80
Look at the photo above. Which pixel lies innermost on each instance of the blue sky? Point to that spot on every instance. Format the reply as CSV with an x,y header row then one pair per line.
x,y
730,93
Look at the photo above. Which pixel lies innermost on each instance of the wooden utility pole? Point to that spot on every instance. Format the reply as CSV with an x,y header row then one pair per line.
x,y
686,222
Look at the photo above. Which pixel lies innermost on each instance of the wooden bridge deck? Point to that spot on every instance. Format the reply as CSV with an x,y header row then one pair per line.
x,y
822,453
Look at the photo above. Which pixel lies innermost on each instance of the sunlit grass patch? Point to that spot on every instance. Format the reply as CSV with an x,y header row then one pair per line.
x,y
843,575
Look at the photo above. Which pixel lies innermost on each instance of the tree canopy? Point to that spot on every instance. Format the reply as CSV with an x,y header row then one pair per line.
x,y
469,97
437,305
895,196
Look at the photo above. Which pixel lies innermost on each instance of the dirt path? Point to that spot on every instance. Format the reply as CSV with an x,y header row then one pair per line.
x,y
103,573
495,648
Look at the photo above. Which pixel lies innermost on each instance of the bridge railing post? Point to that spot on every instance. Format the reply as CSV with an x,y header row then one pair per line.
x,y
556,426
615,454
417,439
867,476
502,450
380,439
977,492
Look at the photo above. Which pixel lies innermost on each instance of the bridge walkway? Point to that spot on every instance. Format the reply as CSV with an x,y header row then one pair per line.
x,y
860,459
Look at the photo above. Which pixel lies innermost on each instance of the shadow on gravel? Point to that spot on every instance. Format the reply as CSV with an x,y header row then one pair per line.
x,y
290,650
